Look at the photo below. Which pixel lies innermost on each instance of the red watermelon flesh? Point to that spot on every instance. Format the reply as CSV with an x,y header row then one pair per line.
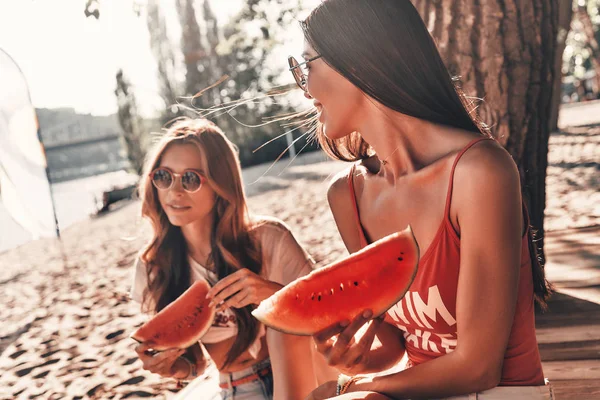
x,y
374,278
182,323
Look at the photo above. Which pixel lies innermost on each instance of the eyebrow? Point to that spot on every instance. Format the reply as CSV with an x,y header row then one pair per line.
x,y
199,170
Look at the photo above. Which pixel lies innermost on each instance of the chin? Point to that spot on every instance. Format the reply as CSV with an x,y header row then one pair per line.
x,y
178,221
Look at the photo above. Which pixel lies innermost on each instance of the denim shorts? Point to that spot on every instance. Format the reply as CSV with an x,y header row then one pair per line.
x,y
259,389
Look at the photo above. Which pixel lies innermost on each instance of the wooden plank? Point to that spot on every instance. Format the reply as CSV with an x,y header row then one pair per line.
x,y
581,350
572,370
566,311
576,389
568,333
564,320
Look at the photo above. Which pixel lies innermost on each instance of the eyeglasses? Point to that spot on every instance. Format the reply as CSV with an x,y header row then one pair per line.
x,y
296,69
163,179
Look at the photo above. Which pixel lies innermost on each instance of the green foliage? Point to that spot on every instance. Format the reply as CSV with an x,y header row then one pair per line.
x,y
580,51
241,49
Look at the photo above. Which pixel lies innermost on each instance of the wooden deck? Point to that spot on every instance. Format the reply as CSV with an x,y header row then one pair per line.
x,y
569,332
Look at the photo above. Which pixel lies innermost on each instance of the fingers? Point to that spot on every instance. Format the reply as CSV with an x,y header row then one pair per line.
x,y
158,362
223,283
163,367
241,299
229,285
327,333
356,353
144,350
346,338
227,293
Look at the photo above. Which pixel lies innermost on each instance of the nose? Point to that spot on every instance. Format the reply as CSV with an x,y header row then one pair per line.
x,y
307,95
177,186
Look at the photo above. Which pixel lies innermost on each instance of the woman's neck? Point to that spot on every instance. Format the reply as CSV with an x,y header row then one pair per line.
x,y
405,144
198,238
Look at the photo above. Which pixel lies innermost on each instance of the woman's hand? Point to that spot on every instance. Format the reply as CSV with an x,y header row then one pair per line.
x,y
162,363
240,289
339,347
168,363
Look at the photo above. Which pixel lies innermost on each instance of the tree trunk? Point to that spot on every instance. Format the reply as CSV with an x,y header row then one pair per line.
x,y
192,47
565,15
504,53
163,53
129,121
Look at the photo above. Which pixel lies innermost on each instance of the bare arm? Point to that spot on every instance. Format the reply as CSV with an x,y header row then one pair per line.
x,y
295,371
340,203
391,348
292,362
487,201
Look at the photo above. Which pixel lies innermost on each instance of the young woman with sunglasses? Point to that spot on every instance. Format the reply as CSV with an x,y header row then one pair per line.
x,y
193,196
387,103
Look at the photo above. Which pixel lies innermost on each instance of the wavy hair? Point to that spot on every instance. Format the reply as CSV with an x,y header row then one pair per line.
x,y
232,245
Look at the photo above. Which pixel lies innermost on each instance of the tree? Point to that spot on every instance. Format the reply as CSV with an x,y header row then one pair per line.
x,y
238,48
504,53
130,123
197,73
164,55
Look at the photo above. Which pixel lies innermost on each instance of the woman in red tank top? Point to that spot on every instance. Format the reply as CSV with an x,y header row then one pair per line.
x,y
422,157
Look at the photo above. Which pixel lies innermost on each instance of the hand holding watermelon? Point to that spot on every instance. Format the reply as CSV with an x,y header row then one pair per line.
x,y
161,362
240,289
346,345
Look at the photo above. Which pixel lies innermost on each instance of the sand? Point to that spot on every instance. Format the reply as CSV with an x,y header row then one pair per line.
x,y
67,316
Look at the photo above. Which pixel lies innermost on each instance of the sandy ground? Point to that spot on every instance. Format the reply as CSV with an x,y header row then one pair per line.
x,y
65,322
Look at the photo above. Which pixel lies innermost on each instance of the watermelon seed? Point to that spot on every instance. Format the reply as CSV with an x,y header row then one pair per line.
x,y
355,283
331,290
319,297
400,258
312,296
342,287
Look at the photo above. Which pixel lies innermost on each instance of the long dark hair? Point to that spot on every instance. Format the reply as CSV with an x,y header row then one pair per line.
x,y
233,246
384,48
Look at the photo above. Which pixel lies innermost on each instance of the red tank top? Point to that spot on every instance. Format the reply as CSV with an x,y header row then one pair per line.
x,y
427,313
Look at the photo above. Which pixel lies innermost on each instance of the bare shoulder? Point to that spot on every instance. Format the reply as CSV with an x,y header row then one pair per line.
x,y
342,205
486,165
339,186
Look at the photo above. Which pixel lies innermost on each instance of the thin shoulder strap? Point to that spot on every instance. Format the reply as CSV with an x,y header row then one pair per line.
x,y
361,234
451,183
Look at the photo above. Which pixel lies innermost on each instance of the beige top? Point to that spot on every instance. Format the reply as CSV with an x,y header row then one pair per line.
x,y
284,260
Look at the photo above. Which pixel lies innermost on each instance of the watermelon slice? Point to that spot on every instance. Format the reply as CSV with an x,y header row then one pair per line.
x,y
182,323
374,278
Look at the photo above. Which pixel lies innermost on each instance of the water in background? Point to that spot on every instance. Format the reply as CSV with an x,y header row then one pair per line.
x,y
77,199
74,200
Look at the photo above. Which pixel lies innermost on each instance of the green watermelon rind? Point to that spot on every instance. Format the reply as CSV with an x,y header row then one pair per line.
x,y
262,312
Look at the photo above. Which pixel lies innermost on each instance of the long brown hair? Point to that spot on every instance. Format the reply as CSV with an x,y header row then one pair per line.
x,y
232,244
384,48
